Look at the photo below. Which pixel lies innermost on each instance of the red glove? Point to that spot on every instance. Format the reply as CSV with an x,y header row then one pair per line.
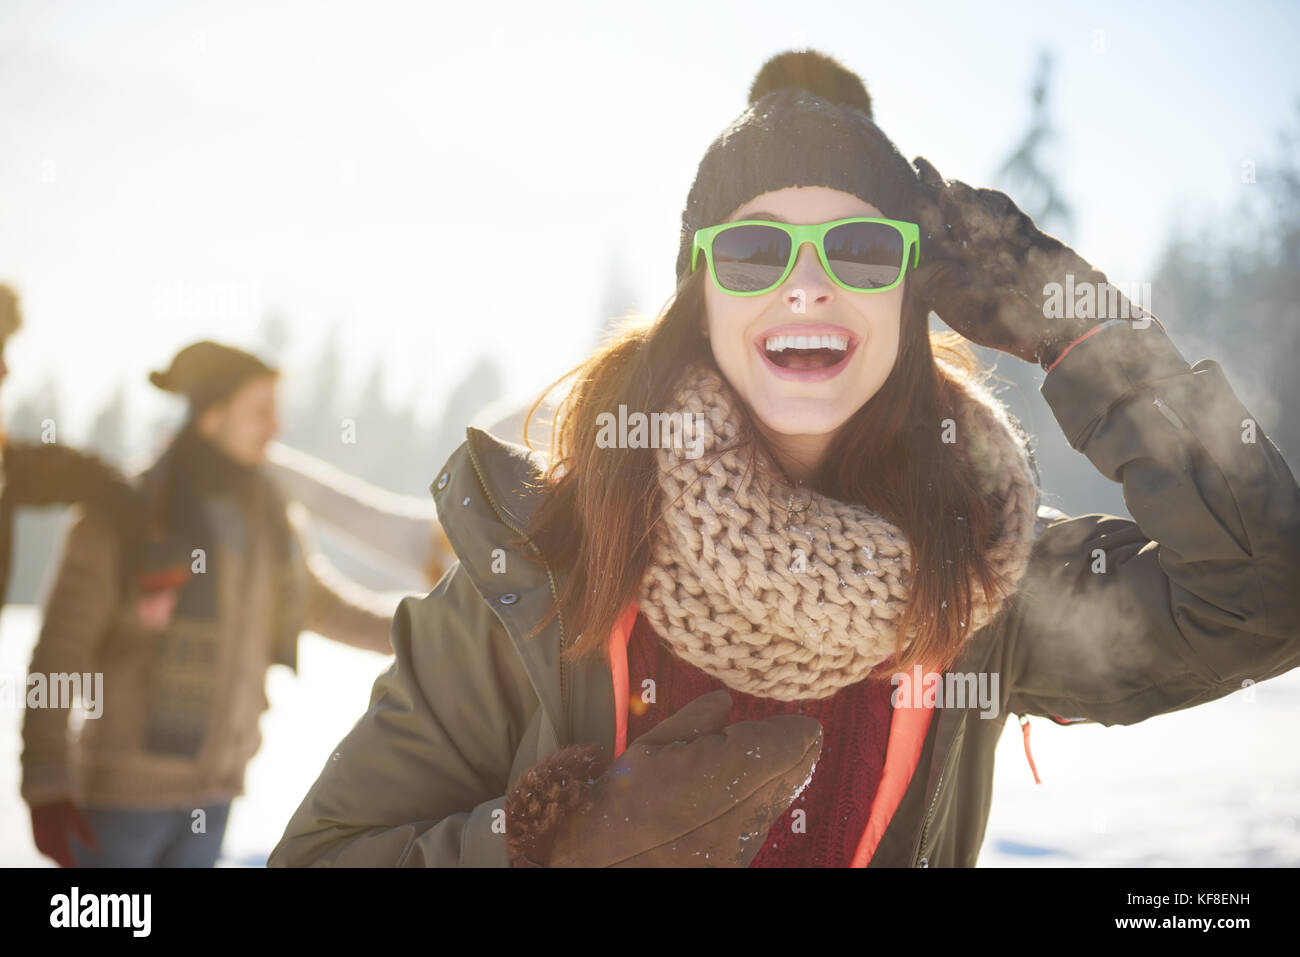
x,y
52,824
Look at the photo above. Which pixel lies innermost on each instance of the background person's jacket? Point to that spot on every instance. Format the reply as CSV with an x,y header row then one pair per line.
x,y
39,474
92,624
1114,622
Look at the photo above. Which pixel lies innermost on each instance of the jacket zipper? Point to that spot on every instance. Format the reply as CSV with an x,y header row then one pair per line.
x,y
501,514
929,815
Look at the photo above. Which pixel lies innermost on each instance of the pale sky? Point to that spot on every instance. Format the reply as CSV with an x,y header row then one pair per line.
x,y
169,171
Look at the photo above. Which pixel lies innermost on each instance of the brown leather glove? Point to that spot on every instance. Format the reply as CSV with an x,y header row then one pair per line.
x,y
984,266
52,826
691,792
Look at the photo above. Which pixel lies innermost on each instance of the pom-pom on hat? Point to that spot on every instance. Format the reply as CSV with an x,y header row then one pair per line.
x,y
208,372
808,123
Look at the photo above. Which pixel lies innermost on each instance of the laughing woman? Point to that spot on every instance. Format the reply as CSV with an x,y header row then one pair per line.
x,y
707,652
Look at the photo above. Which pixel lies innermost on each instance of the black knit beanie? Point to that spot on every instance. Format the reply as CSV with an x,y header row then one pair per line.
x,y
808,123
208,372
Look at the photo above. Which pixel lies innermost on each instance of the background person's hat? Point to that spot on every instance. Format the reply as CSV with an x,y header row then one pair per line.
x,y
208,372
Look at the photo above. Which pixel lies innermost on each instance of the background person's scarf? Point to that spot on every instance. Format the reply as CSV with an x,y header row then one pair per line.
x,y
728,591
185,482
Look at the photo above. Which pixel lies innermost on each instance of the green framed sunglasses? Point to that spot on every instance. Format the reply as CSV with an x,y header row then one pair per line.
x,y
862,254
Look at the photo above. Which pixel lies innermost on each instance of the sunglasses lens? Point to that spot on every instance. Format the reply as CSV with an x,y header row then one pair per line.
x,y
750,258
865,255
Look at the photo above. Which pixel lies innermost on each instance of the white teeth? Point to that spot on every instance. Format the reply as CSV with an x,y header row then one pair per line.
x,y
781,343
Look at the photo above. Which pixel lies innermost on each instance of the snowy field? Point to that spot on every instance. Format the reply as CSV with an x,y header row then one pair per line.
x,y
1213,786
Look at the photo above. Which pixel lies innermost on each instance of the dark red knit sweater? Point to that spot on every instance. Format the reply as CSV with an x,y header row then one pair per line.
x,y
855,731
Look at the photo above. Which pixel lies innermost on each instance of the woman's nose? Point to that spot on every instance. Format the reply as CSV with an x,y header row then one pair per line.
x,y
808,281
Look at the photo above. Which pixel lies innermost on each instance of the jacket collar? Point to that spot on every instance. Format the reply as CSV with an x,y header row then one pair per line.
x,y
512,474
486,496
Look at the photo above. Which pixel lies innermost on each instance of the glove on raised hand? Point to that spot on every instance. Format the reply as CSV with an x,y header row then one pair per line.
x,y
985,266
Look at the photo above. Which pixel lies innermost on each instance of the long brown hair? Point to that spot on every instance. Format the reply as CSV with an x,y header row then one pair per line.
x,y
600,504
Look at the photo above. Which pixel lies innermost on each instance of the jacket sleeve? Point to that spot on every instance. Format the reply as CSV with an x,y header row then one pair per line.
x,y
1118,620
337,607
340,609
420,780
79,611
41,474
400,530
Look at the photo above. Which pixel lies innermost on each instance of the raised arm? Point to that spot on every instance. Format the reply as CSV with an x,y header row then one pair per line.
x,y
1119,620
40,474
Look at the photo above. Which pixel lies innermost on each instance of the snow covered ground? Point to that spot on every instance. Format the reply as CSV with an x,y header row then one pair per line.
x,y
1212,786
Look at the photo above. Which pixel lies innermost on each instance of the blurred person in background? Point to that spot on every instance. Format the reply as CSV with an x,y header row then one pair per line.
x,y
38,474
183,620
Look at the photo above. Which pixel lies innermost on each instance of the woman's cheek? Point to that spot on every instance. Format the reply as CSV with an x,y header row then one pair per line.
x,y
882,347
727,325
883,326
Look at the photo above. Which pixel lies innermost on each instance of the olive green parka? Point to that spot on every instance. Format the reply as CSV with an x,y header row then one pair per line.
x,y
1115,621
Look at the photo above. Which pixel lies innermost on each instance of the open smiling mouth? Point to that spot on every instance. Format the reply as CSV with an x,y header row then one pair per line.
x,y
807,352
806,357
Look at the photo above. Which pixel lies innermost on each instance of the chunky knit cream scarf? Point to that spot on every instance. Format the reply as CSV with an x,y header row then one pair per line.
x,y
788,594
